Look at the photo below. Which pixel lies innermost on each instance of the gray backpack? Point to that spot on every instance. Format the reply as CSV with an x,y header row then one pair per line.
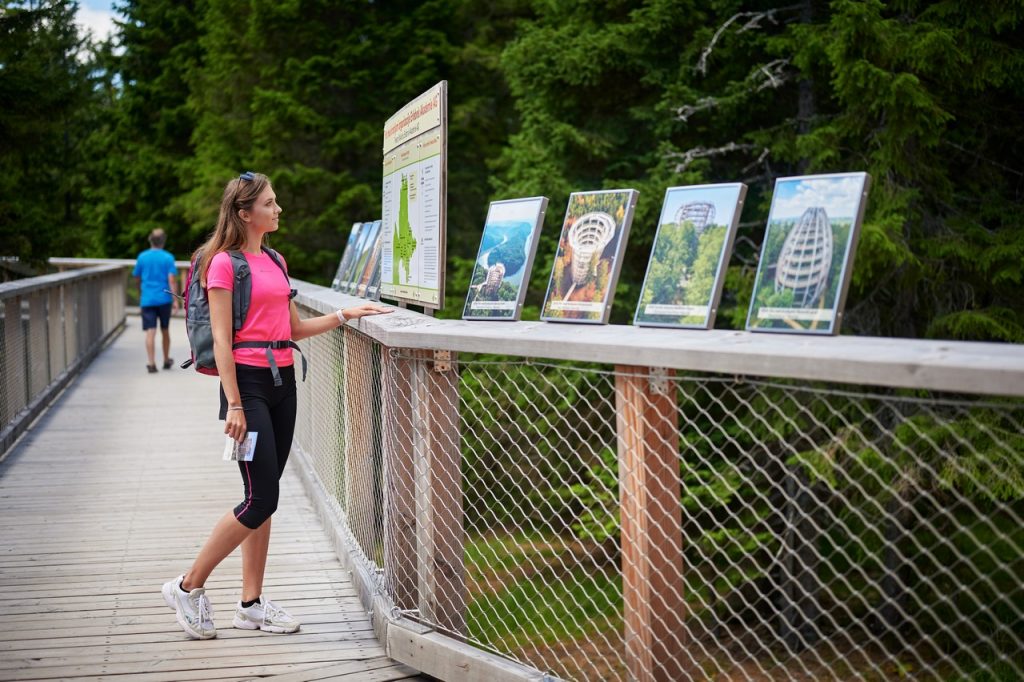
x,y
197,316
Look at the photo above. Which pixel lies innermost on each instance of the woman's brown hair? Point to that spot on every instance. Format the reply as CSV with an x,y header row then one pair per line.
x,y
229,234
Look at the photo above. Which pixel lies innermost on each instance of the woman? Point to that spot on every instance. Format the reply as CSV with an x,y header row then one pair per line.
x,y
250,401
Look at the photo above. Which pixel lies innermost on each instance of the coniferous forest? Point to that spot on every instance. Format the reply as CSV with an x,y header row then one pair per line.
x,y
102,141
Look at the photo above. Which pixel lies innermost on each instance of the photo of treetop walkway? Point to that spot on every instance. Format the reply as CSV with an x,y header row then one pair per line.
x,y
598,503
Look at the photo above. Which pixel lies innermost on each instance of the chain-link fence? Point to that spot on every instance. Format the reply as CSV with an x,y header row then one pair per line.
x,y
602,522
50,326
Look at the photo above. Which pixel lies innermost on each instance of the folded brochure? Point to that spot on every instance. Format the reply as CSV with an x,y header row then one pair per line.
x,y
240,452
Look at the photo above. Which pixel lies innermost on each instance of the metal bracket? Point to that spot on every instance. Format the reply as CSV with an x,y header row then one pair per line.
x,y
442,360
658,380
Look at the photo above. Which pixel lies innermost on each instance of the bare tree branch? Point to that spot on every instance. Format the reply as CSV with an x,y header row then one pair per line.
x,y
684,112
770,75
764,155
969,152
691,155
754,20
774,74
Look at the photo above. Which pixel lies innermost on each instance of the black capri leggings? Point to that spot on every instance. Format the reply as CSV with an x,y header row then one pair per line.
x,y
270,412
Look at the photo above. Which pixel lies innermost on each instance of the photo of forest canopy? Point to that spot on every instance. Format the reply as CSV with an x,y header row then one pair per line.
x,y
505,259
806,249
688,256
592,239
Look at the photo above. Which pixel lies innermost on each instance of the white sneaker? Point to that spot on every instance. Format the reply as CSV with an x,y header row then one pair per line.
x,y
193,610
264,615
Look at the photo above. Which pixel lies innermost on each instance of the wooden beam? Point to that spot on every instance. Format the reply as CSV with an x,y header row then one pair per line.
x,y
957,366
399,485
438,461
22,287
38,369
651,526
55,333
69,294
448,659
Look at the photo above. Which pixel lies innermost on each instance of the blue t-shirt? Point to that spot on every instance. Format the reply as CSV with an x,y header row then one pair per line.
x,y
152,267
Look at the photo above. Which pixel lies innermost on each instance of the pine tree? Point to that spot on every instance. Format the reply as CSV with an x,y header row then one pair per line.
x,y
139,147
49,105
282,89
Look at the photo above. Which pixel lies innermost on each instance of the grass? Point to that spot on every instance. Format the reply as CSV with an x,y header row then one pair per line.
x,y
528,589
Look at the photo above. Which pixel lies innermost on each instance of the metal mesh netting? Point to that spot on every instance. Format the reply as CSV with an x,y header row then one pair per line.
x,y
755,529
15,394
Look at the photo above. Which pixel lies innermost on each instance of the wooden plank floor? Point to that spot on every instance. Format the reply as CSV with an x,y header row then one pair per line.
x,y
109,495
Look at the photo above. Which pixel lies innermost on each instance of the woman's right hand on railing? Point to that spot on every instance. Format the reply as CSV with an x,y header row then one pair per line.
x,y
355,312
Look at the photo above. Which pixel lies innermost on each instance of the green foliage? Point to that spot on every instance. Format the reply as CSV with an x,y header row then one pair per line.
x,y
51,100
918,94
983,453
545,98
917,91
511,255
531,610
515,442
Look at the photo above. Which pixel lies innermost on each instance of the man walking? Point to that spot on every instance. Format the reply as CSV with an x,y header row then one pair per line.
x,y
155,272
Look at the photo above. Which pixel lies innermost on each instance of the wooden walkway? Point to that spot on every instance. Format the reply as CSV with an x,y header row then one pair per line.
x,y
110,494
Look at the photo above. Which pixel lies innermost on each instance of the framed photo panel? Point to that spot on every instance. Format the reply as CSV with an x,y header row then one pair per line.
x,y
368,265
346,256
807,254
352,272
589,256
683,284
505,259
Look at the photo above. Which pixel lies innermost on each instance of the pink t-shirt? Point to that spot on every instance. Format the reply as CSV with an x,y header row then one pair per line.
x,y
269,317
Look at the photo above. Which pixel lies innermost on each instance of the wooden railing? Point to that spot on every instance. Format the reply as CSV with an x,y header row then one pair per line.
x,y
52,327
411,369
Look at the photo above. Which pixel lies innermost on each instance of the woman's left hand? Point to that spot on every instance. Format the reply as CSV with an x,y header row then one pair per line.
x,y
365,310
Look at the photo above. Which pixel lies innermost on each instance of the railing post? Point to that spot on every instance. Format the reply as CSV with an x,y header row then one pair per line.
x,y
37,346
359,478
109,305
438,471
70,296
94,330
14,371
55,333
651,522
399,479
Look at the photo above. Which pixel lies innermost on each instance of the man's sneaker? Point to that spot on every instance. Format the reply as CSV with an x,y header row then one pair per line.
x,y
264,615
195,616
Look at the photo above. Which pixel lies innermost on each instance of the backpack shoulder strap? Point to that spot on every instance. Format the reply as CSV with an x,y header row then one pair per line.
x,y
276,257
241,290
237,259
